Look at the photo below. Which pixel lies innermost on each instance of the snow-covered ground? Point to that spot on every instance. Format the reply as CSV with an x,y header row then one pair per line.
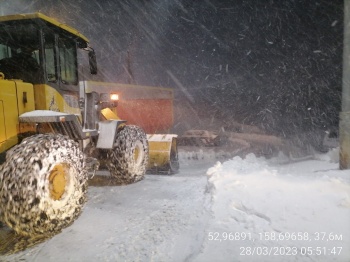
x,y
268,211
249,209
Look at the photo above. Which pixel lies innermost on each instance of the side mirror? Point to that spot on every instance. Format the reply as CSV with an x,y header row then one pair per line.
x,y
92,62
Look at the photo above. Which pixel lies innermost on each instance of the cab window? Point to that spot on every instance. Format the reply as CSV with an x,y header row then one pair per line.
x,y
50,60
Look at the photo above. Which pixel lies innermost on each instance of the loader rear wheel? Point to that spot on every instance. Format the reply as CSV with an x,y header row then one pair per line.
x,y
43,185
128,160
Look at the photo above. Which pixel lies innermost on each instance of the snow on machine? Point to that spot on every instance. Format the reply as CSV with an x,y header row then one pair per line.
x,y
51,126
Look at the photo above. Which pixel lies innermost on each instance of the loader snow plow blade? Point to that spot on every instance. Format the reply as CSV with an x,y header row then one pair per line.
x,y
163,154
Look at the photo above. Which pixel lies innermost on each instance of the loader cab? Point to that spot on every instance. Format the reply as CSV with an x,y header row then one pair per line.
x,y
37,49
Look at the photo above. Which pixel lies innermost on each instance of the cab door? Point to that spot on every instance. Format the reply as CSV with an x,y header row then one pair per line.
x,y
16,97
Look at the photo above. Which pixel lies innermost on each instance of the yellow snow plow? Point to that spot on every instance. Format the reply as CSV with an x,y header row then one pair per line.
x,y
163,155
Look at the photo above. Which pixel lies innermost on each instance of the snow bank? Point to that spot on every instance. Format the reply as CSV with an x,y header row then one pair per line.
x,y
268,212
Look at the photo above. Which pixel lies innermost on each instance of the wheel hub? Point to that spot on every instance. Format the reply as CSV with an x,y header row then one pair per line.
x,y
138,153
58,180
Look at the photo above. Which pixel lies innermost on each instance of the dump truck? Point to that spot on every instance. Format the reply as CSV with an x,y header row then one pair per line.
x,y
53,126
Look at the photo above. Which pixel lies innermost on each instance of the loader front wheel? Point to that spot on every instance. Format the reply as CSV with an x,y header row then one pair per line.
x,y
43,185
128,160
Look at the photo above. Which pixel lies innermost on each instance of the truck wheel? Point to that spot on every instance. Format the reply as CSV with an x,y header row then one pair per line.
x,y
128,160
42,185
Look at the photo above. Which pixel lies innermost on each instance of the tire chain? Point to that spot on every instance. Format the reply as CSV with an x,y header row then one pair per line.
x,y
22,195
120,157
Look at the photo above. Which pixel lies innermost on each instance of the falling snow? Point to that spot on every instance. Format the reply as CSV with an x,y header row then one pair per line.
x,y
286,53
273,67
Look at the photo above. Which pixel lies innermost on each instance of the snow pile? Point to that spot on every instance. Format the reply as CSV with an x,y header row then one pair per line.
x,y
268,212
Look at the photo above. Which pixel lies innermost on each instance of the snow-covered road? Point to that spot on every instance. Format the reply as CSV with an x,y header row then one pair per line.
x,y
240,210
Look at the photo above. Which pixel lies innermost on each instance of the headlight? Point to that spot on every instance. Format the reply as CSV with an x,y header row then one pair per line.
x,y
114,97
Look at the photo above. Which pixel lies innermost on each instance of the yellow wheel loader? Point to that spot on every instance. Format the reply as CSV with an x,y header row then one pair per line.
x,y
51,126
